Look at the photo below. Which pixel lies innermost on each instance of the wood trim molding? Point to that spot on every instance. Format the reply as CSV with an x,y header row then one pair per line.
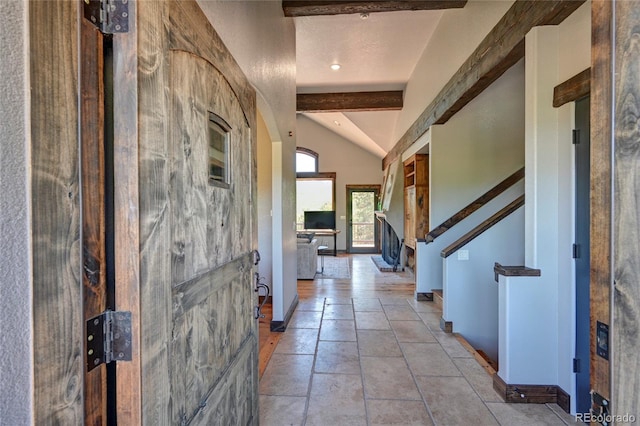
x,y
484,226
280,326
337,7
475,205
531,394
502,48
390,100
515,271
446,326
573,89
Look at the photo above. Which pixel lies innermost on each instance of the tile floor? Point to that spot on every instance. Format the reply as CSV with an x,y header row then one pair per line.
x,y
382,361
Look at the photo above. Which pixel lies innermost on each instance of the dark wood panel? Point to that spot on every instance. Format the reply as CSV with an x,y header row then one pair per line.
x,y
626,229
126,200
573,89
515,271
524,393
333,7
55,214
601,80
482,227
499,50
93,205
349,101
475,205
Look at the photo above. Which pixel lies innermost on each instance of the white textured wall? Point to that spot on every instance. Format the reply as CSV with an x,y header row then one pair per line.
x,y
352,164
470,289
16,367
475,150
457,35
553,54
265,205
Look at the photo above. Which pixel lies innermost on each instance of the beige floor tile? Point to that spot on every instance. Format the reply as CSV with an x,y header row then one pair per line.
x,y
315,304
372,321
412,331
393,300
479,379
305,319
287,375
282,410
337,301
338,330
428,359
566,417
367,305
451,344
378,343
524,414
400,313
419,306
338,312
431,319
383,412
452,402
336,399
298,341
388,378
337,357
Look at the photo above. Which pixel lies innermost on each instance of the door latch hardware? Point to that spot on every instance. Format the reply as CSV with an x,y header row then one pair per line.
x,y
109,16
108,338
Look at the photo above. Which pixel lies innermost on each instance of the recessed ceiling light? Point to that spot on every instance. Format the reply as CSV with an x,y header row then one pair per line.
x,y
364,16
335,67
336,122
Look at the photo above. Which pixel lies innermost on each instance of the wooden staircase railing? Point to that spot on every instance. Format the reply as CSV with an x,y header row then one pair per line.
x,y
474,205
469,236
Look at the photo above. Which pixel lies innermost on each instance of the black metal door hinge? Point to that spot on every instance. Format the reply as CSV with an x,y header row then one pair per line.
x,y
108,338
576,365
576,251
109,16
576,136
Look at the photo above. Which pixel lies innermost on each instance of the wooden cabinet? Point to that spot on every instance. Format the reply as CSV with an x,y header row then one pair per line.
x,y
416,198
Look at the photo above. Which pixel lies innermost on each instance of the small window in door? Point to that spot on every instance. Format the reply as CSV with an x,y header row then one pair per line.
x,y
219,155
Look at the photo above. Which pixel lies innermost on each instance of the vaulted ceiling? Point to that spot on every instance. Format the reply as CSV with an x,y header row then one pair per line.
x,y
377,45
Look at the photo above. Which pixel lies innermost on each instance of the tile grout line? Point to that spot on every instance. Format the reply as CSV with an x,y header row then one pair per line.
x,y
313,366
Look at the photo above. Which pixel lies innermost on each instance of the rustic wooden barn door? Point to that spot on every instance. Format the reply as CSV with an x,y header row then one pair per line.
x,y
197,222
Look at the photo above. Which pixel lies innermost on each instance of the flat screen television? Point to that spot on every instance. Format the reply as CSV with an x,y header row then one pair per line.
x,y
320,219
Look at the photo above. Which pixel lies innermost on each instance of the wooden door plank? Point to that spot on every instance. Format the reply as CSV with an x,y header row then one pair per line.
x,y
499,50
93,206
601,98
333,7
626,222
126,215
55,213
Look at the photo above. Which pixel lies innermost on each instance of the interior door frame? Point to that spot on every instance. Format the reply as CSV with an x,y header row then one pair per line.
x,y
350,189
112,392
582,254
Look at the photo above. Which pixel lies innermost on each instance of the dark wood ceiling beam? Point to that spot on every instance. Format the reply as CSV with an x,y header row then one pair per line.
x,y
318,7
500,50
573,89
349,101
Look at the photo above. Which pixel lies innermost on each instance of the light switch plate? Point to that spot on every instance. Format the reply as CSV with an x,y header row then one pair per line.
x,y
463,254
